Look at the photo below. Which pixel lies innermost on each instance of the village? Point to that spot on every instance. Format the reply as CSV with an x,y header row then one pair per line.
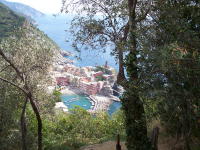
x,y
96,82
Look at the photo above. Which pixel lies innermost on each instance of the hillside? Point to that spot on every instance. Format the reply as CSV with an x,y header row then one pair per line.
x,y
23,10
9,21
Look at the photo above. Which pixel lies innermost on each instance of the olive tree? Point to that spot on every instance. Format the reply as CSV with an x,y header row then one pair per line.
x,y
27,54
99,24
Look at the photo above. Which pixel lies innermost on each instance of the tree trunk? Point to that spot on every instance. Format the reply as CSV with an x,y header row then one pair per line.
x,y
27,93
121,76
118,146
39,120
136,129
135,120
154,138
23,126
186,124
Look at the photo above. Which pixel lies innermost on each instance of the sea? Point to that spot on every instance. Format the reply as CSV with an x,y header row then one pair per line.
x,y
56,27
83,101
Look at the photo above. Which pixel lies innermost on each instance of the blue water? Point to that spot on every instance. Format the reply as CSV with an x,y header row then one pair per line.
x,y
114,107
55,28
83,101
76,100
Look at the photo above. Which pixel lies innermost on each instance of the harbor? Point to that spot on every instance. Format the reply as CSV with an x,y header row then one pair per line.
x,y
72,97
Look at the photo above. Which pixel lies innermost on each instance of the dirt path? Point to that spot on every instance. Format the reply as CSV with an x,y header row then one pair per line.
x,y
110,145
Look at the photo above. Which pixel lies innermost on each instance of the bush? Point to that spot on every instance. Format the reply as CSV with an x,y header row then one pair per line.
x,y
57,96
79,127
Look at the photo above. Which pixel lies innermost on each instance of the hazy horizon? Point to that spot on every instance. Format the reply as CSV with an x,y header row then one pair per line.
x,y
45,6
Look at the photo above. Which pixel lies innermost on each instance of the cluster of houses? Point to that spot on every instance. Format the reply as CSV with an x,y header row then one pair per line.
x,y
90,80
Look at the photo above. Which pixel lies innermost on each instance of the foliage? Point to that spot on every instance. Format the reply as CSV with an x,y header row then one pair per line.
x,y
132,104
57,95
100,78
99,25
103,69
26,55
9,104
181,65
23,10
9,21
102,23
162,69
169,67
79,128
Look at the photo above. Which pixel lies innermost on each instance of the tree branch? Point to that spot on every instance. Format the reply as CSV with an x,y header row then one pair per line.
x,y
11,64
23,125
144,15
109,15
39,119
4,68
7,81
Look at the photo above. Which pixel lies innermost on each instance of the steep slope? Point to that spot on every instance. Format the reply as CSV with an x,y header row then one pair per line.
x,y
9,21
23,10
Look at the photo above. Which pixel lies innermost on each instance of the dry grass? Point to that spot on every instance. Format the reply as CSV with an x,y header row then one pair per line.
x,y
164,143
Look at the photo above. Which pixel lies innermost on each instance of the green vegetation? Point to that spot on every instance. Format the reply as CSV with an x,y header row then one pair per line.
x,y
162,83
179,63
100,78
100,32
23,10
9,21
78,128
25,56
103,69
162,63
57,95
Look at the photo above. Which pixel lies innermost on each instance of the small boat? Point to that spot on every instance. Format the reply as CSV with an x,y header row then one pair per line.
x,y
84,105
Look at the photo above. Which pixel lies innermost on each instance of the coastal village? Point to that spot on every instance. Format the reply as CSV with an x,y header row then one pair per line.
x,y
98,82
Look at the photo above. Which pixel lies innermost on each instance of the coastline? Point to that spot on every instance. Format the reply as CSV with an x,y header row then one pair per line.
x,y
99,103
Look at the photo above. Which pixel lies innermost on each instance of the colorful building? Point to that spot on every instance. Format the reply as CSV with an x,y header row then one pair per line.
x,y
62,81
